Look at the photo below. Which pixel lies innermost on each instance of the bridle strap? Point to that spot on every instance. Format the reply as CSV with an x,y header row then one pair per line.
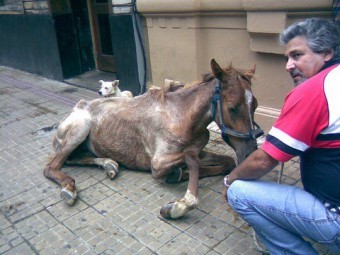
x,y
216,104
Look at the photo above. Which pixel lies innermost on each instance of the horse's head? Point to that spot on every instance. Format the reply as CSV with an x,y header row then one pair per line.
x,y
235,109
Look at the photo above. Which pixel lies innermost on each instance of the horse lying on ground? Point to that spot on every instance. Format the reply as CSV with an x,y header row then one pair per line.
x,y
162,131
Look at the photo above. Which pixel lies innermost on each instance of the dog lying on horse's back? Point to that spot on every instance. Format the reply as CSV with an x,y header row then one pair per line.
x,y
162,131
111,89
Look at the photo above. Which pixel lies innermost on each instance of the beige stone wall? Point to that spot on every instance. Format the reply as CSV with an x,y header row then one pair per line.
x,y
184,35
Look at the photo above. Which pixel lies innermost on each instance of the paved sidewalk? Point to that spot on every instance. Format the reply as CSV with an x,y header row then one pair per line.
x,y
109,217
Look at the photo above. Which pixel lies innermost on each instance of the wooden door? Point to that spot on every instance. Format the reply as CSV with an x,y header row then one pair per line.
x,y
101,33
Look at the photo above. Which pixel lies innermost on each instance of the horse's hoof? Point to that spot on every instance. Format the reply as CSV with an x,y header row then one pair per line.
x,y
68,196
166,211
112,170
174,210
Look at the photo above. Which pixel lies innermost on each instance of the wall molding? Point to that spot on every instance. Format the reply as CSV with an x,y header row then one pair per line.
x,y
189,6
268,112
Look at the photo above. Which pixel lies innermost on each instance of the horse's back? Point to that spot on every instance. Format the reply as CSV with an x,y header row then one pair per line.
x,y
119,132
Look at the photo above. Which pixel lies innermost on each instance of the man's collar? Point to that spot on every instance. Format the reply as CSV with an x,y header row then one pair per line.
x,y
329,63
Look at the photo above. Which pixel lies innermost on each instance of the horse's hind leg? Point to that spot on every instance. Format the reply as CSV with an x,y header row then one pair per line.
x,y
110,166
52,172
70,134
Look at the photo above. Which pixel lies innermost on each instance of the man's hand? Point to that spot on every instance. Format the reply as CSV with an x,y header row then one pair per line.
x,y
226,184
224,194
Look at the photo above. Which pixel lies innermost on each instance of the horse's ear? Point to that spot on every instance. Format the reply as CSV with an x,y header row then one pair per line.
x,y
216,69
101,81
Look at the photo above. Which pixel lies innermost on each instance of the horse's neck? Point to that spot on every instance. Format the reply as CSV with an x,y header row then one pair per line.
x,y
198,102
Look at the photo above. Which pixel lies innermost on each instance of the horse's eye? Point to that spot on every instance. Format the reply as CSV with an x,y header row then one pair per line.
x,y
245,78
106,88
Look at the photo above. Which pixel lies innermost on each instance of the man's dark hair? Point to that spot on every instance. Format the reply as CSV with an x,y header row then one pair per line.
x,y
322,35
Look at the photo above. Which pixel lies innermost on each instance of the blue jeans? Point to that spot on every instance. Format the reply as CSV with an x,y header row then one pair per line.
x,y
282,215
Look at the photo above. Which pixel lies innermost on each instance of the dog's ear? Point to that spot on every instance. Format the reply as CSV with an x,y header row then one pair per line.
x,y
115,83
101,81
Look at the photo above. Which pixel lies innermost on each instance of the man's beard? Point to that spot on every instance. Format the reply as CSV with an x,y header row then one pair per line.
x,y
297,77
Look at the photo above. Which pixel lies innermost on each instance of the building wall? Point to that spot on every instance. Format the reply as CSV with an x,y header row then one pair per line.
x,y
28,39
24,6
184,35
36,7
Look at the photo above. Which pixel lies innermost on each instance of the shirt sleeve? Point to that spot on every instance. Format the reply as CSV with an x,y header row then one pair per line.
x,y
302,118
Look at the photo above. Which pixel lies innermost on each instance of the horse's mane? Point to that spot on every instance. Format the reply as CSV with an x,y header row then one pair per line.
x,y
230,71
235,72
208,77
160,92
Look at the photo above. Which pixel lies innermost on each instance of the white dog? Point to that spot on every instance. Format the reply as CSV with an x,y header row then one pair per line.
x,y
111,89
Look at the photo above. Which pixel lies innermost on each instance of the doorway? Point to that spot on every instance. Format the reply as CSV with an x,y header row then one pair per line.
x,y
84,35
99,11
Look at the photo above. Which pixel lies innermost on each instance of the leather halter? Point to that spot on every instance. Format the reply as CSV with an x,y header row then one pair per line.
x,y
216,103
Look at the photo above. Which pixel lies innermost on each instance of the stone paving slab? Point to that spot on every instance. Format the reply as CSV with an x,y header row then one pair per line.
x,y
109,217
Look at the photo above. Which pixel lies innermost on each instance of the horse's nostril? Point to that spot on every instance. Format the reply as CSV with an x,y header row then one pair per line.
x,y
99,92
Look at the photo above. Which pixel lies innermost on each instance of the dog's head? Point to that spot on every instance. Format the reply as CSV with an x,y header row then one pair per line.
x,y
108,88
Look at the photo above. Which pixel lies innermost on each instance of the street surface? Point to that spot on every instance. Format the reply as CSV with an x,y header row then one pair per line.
x,y
109,217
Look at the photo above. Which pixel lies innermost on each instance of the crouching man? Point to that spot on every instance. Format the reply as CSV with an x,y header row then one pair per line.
x,y
308,127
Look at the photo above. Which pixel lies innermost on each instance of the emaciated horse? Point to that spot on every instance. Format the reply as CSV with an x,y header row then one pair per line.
x,y
161,131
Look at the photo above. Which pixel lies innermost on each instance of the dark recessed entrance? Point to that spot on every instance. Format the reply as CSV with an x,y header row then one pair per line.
x,y
84,36
101,34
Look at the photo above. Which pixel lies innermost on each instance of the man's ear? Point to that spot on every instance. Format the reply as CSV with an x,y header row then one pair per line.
x,y
329,54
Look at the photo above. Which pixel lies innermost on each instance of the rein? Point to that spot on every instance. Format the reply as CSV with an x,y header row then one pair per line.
x,y
216,104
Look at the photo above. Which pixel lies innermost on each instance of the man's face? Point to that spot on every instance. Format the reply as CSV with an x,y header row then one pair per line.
x,y
302,62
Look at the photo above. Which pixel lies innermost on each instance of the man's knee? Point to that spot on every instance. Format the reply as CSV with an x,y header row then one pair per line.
x,y
236,192
242,193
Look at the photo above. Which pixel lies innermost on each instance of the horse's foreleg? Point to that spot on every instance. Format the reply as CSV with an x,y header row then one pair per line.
x,y
163,163
213,164
110,166
177,209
